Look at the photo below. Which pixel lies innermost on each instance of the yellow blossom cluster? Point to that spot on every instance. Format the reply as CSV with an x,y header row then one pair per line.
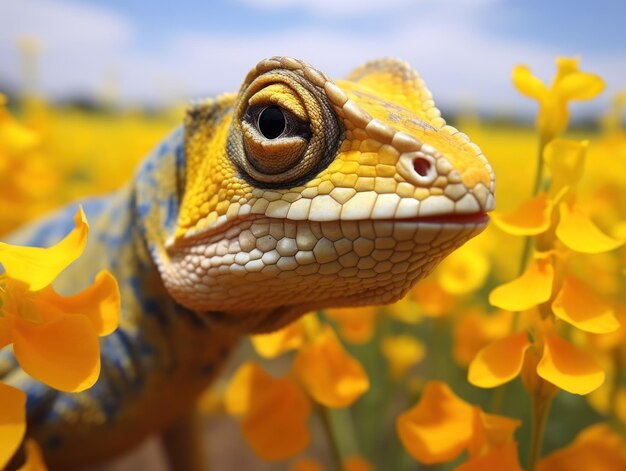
x,y
555,326
275,412
54,337
540,296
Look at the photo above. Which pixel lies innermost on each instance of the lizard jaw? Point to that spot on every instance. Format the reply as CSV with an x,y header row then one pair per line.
x,y
279,267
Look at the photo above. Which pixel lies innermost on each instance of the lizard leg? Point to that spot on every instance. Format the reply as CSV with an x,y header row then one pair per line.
x,y
182,442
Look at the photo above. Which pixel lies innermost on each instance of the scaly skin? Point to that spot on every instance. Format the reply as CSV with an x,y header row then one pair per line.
x,y
224,232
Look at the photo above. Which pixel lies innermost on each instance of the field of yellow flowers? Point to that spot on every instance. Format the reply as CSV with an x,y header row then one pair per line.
x,y
510,356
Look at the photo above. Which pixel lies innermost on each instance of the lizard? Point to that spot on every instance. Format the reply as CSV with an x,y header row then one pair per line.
x,y
297,193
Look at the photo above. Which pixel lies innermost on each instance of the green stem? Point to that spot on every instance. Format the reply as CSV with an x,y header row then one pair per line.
x,y
539,170
324,415
497,399
337,423
528,239
540,409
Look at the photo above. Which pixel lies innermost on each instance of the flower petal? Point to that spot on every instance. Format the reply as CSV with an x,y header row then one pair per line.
x,y
12,421
527,84
438,428
580,86
330,375
402,352
595,448
275,412
532,288
100,302
504,458
276,427
499,362
276,343
569,368
552,117
356,463
491,432
431,299
356,324
306,464
34,458
464,271
38,267
577,305
565,66
578,233
406,310
238,393
531,218
63,353
566,161
6,326
475,330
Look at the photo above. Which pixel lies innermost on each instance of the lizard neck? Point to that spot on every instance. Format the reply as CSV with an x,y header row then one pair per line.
x,y
157,188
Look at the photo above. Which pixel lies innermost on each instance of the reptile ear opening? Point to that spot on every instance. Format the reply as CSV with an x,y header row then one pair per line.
x,y
392,79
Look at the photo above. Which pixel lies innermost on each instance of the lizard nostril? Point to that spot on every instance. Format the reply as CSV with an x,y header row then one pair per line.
x,y
421,166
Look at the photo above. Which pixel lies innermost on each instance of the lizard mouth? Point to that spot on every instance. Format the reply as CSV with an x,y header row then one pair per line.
x,y
473,218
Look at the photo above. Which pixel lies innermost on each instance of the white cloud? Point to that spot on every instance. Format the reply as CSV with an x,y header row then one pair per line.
x,y
462,64
355,7
79,43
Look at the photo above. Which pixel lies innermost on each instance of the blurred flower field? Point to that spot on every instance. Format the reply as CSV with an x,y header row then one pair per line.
x,y
511,355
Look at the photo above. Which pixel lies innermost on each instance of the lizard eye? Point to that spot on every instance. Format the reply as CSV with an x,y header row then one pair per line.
x,y
272,122
274,139
284,129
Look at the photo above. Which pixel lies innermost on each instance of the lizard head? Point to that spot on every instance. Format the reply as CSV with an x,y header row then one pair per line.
x,y
303,193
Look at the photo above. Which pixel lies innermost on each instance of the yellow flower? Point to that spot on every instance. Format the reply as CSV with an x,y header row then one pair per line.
x,y
579,234
38,267
442,425
566,161
595,448
306,464
577,305
34,458
504,458
55,338
402,352
560,363
475,330
274,412
406,310
356,324
532,288
329,374
15,139
568,84
356,463
12,421
431,298
276,343
464,271
530,218
499,362
569,368
438,428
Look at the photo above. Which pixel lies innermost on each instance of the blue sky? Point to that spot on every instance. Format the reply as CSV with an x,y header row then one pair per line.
x,y
161,50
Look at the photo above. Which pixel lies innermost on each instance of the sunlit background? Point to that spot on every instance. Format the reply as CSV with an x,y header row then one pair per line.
x,y
89,87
